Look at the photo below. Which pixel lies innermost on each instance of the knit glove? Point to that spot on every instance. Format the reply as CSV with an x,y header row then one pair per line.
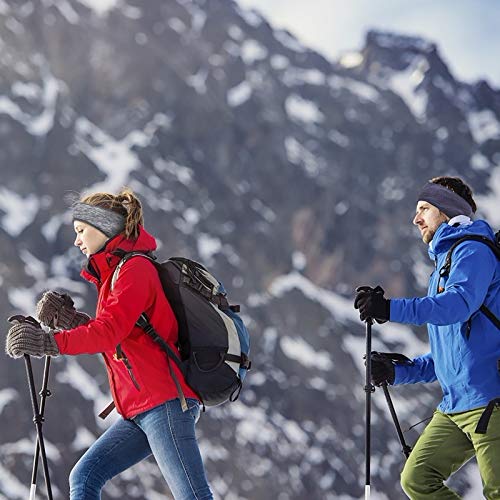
x,y
57,310
26,336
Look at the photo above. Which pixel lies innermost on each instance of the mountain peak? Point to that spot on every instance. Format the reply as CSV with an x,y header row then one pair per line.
x,y
395,41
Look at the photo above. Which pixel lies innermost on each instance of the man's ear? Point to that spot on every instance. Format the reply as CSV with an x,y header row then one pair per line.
x,y
445,217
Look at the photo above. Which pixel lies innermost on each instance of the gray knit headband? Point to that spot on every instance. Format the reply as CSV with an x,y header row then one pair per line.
x,y
449,202
107,221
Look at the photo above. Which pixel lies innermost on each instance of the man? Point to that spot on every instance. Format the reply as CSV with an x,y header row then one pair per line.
x,y
464,340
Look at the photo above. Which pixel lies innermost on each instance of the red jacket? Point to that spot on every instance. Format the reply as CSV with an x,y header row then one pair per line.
x,y
137,290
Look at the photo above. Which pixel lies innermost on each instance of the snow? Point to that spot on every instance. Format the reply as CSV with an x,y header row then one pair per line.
x,y
177,25
351,59
296,76
267,214
41,124
250,16
405,83
479,162
489,203
101,7
363,90
279,62
235,33
198,81
83,439
6,396
253,426
339,138
299,155
66,10
26,447
299,350
483,125
407,43
208,246
299,260
29,90
32,266
342,310
252,50
51,227
239,94
11,486
19,212
181,173
302,110
198,17
114,158
75,376
289,41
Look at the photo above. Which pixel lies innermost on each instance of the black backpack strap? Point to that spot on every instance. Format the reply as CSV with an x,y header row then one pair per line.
x,y
144,323
445,271
482,425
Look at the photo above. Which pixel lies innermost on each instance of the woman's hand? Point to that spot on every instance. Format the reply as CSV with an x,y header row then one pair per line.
x,y
26,336
57,310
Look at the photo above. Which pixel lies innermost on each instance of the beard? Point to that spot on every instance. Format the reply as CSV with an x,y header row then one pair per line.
x,y
428,235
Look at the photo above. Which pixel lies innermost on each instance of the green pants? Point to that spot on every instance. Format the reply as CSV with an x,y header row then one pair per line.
x,y
447,443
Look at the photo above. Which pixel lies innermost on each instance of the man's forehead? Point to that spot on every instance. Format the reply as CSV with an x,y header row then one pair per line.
x,y
424,204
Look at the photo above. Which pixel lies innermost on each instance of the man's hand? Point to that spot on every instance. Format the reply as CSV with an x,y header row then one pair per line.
x,y
372,304
382,366
26,336
56,310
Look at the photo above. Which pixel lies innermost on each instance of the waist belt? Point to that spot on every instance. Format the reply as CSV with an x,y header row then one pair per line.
x,y
484,420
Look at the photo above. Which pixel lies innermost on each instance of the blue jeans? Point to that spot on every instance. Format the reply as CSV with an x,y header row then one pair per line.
x,y
164,431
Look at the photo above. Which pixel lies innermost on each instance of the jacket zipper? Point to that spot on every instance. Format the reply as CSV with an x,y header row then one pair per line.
x,y
120,355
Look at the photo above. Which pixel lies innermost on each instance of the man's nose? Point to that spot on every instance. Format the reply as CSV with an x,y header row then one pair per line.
x,y
417,220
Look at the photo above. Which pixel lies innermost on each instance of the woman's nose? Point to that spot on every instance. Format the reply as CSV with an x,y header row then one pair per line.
x,y
77,241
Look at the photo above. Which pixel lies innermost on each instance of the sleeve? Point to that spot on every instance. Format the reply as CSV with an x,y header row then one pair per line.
x,y
472,269
422,370
133,293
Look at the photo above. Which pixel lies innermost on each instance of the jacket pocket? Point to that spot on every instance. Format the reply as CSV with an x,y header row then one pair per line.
x,y
121,356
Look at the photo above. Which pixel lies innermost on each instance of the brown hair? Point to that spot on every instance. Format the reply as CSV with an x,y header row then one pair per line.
x,y
459,187
125,203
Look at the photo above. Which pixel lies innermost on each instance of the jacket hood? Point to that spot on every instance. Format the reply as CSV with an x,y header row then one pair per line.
x,y
101,264
446,235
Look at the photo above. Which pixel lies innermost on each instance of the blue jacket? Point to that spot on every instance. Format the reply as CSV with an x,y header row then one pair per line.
x,y
466,368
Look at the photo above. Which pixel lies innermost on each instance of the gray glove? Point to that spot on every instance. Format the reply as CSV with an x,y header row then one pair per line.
x,y
56,310
28,337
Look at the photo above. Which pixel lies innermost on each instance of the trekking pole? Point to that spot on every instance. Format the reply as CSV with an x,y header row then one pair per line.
x,y
405,448
44,394
368,391
37,419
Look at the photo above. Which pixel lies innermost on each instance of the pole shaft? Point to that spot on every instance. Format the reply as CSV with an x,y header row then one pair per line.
x,y
38,424
406,448
368,391
44,394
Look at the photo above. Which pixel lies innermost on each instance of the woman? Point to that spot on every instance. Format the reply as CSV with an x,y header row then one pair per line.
x,y
152,421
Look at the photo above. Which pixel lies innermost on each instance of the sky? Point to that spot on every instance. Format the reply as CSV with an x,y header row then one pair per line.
x,y
467,32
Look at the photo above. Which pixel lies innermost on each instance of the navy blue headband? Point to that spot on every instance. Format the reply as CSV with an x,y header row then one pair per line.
x,y
449,202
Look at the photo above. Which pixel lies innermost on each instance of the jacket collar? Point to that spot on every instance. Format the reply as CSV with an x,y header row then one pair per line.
x,y
101,265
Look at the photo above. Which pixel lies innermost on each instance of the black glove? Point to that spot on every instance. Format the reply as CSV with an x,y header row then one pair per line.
x,y
372,304
28,337
382,366
382,370
57,311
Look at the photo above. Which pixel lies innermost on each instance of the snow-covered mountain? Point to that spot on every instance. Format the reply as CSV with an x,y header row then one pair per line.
x,y
293,178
